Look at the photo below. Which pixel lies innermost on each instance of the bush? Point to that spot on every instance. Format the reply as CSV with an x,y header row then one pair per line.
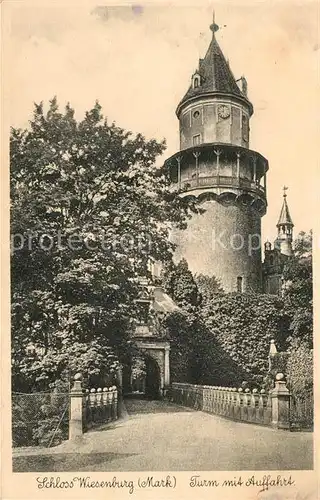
x,y
40,419
300,383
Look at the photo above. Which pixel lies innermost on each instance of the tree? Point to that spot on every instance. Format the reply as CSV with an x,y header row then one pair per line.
x,y
180,284
298,292
208,287
89,209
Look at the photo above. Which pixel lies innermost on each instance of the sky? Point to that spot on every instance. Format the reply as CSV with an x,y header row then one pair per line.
x,y
137,60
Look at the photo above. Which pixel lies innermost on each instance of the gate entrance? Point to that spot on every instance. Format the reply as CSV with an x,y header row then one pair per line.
x,y
145,383
152,378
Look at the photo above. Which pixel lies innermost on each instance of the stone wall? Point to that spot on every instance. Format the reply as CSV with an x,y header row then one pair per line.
x,y
212,245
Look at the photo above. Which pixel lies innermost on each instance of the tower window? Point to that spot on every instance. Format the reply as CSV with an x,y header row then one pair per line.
x,y
196,81
239,284
196,114
196,139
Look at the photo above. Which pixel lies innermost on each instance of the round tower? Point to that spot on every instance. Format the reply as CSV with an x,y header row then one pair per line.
x,y
216,166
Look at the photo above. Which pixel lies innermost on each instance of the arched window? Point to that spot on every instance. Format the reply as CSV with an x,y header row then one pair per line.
x,y
196,81
239,284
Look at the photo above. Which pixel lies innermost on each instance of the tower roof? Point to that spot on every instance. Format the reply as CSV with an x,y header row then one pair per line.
x,y
285,217
215,74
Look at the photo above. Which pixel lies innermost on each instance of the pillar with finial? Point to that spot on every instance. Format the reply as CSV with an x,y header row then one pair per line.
x,y
280,404
76,409
272,352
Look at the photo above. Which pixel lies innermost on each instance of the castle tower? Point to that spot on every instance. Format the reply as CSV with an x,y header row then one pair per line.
x,y
216,166
285,228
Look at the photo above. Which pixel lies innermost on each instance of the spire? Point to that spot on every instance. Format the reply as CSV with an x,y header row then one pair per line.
x,y
285,217
215,73
214,27
285,226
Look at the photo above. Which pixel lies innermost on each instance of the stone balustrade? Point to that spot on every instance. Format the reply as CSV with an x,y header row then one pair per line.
x,y
91,407
254,406
100,405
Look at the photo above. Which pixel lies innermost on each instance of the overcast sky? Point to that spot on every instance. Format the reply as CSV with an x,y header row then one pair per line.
x,y
137,61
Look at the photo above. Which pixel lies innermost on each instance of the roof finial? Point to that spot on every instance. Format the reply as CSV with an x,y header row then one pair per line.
x,y
285,188
214,27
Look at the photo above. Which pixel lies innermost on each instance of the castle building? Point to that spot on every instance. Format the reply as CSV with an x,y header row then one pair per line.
x,y
275,258
216,166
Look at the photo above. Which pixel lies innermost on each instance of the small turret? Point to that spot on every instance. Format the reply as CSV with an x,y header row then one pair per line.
x,y
285,228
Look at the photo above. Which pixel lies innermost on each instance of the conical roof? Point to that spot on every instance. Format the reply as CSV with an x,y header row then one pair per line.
x,y
285,217
215,74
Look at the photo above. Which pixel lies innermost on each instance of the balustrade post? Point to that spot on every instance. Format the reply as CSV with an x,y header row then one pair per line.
x,y
255,405
114,403
240,403
76,416
254,159
179,171
196,154
92,403
238,164
105,404
280,404
246,402
218,153
99,405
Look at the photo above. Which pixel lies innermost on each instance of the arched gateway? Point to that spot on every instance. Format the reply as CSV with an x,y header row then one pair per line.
x,y
148,374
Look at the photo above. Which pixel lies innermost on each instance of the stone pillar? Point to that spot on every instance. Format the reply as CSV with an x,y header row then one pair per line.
x,y
280,404
196,155
179,172
238,165
76,409
120,391
166,367
218,153
254,169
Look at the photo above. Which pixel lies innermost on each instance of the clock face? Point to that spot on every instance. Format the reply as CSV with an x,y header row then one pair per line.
x,y
223,111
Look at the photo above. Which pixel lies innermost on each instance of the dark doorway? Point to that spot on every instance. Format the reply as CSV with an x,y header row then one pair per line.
x,y
152,386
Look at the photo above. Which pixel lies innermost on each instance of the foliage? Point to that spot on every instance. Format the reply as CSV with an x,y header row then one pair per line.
x,y
138,367
178,326
197,355
89,209
219,338
300,383
298,292
40,418
208,287
244,324
300,367
180,284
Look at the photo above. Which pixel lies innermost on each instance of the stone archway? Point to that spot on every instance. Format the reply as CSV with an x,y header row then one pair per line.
x,y
153,378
